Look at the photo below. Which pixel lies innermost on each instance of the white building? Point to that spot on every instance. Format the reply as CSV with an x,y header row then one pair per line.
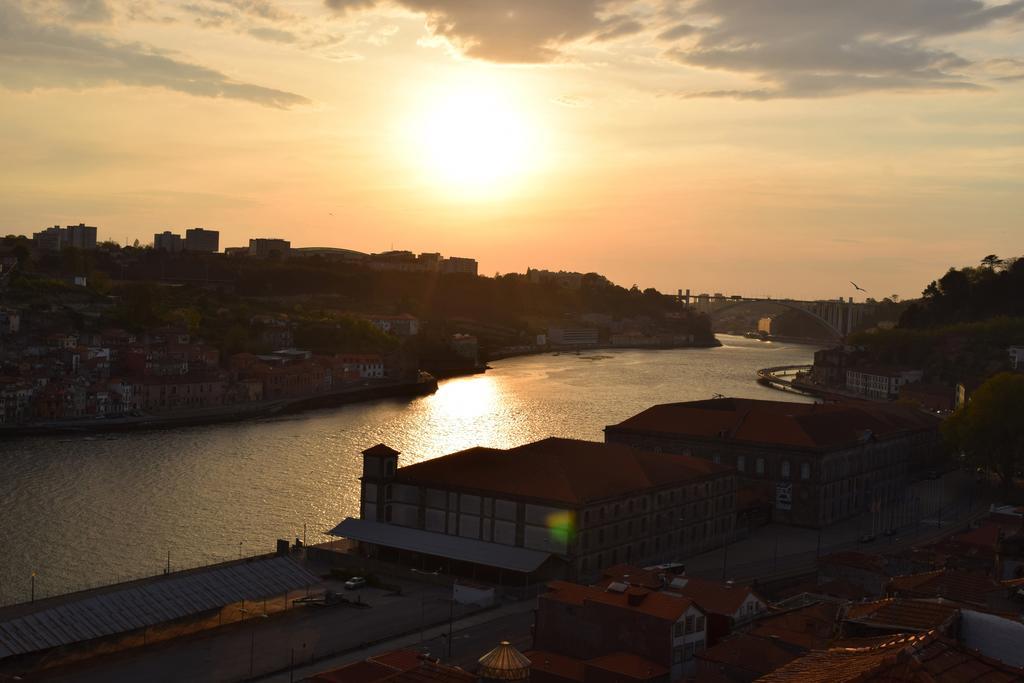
x,y
880,383
573,336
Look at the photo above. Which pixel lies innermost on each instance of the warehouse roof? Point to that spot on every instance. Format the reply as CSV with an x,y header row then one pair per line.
x,y
779,423
559,470
136,605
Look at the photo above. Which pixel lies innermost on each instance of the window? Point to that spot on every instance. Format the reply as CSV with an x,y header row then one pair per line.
x,y
785,469
717,459
677,630
741,463
759,465
677,655
689,651
700,623
805,471
689,623
391,468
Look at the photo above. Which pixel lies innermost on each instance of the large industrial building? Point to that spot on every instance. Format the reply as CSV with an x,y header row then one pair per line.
x,y
815,464
556,508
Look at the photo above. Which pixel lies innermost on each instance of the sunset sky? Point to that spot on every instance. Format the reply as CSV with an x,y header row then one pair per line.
x,y
779,147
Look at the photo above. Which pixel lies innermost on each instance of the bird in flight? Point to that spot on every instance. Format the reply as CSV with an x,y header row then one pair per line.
x,y
856,286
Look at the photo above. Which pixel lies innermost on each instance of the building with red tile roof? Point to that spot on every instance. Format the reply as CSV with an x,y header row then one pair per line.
x,y
927,657
727,605
587,623
744,657
399,666
556,508
972,588
899,615
818,463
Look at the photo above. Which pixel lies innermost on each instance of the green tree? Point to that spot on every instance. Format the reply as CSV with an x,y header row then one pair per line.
x,y
990,428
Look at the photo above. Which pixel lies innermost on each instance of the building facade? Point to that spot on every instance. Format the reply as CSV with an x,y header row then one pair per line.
x,y
880,383
202,240
168,241
79,236
815,464
573,336
265,247
574,507
585,622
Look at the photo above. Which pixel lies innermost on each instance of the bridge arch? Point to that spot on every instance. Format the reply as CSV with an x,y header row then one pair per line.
x,y
715,308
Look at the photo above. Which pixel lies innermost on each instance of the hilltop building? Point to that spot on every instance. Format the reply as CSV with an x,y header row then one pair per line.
x,y
265,247
202,240
816,464
550,509
79,236
168,241
427,262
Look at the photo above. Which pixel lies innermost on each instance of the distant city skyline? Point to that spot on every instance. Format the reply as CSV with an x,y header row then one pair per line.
x,y
720,145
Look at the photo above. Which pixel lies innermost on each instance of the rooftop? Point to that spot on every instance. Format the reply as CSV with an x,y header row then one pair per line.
x,y
658,605
564,471
756,655
922,657
904,614
953,584
816,427
712,596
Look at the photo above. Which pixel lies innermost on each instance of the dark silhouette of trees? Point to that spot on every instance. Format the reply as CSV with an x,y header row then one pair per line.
x,y
989,430
994,288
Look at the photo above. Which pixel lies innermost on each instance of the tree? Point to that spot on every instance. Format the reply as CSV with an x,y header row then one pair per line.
x,y
989,430
991,262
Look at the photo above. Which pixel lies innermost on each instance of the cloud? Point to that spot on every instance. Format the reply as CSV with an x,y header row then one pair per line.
x,y
264,9
619,27
40,55
527,31
88,11
678,31
274,35
835,47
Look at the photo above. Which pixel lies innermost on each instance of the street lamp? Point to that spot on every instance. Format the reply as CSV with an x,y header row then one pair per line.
x,y
252,638
451,609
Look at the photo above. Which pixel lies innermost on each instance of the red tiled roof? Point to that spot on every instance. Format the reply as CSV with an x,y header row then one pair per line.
x,y
399,666
712,596
962,586
559,665
629,665
658,605
808,627
905,614
924,657
750,653
401,660
818,427
559,470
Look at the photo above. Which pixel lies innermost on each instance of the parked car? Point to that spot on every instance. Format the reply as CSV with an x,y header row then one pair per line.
x,y
865,538
355,582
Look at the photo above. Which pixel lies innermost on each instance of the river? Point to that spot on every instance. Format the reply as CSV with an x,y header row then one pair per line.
x,y
92,510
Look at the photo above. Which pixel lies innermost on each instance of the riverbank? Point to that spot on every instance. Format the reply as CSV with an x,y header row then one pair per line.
x,y
425,385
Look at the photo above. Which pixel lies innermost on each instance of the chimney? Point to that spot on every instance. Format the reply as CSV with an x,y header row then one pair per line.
x,y
635,597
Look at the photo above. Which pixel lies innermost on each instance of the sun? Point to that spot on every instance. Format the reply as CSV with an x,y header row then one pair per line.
x,y
475,141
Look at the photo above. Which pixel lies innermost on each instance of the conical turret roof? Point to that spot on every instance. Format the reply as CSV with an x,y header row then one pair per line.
x,y
504,663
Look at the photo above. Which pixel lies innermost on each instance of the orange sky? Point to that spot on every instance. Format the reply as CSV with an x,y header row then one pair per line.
x,y
743,146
